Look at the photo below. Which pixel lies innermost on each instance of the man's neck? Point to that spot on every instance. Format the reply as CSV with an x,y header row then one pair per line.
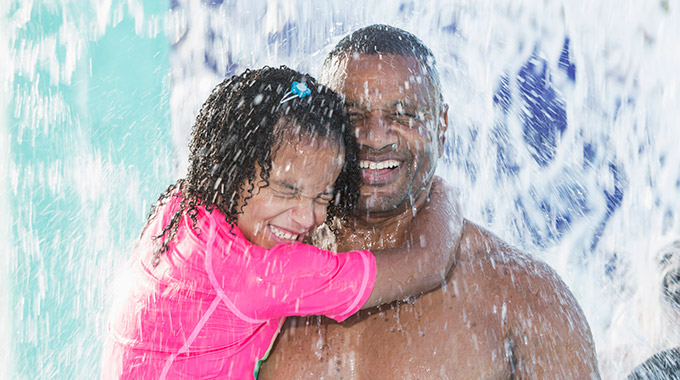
x,y
381,230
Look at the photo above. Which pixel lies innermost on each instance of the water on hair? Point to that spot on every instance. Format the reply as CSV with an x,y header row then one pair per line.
x,y
566,109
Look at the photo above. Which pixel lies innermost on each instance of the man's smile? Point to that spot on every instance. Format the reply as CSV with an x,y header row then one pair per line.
x,y
379,165
379,172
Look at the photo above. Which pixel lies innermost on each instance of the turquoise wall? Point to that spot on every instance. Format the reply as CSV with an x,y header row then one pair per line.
x,y
88,130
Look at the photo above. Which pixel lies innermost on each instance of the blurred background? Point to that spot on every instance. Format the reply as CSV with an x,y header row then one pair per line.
x,y
563,140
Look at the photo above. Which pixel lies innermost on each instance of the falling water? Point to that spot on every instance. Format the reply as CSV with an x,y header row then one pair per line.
x,y
4,202
89,151
103,94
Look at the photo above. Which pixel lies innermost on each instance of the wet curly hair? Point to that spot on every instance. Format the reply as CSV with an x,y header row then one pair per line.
x,y
239,129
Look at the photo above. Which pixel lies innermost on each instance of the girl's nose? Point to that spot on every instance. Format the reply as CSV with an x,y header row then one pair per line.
x,y
303,214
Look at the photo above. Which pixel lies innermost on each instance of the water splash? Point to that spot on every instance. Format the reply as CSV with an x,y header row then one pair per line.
x,y
85,129
6,366
569,108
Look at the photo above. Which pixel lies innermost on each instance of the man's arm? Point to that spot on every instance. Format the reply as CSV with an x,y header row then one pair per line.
x,y
428,251
551,337
543,332
547,335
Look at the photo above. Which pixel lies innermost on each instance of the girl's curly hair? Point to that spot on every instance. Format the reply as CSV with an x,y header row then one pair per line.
x,y
241,125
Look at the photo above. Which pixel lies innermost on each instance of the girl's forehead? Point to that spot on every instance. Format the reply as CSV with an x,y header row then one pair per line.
x,y
307,152
297,162
307,145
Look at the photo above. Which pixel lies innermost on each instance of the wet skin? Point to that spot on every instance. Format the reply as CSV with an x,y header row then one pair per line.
x,y
500,314
294,203
461,331
397,127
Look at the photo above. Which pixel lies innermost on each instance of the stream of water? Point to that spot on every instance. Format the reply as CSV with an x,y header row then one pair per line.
x,y
563,140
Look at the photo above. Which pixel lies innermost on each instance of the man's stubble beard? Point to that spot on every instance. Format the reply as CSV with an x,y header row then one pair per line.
x,y
375,204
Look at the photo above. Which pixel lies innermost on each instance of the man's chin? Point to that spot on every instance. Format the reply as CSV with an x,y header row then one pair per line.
x,y
379,203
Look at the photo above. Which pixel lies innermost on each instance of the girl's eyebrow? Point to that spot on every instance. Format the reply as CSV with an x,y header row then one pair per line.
x,y
286,185
290,186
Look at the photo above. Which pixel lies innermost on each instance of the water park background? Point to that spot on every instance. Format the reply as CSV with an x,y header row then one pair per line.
x,y
563,140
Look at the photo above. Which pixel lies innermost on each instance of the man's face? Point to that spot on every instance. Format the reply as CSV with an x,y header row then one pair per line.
x,y
398,123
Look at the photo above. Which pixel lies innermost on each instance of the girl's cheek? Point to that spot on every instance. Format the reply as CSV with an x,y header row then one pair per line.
x,y
320,214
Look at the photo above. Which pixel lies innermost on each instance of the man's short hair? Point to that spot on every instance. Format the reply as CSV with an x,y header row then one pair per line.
x,y
383,39
386,39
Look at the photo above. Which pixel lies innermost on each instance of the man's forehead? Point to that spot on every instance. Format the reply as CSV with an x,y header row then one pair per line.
x,y
365,77
384,68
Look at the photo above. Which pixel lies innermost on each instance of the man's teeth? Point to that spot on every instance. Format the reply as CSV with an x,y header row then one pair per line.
x,y
388,164
282,235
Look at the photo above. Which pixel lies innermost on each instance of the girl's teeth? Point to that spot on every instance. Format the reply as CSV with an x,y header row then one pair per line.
x,y
282,235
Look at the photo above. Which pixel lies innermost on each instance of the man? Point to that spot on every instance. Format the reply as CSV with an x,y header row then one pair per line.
x,y
499,313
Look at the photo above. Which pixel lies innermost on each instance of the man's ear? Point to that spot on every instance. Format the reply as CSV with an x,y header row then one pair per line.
x,y
443,125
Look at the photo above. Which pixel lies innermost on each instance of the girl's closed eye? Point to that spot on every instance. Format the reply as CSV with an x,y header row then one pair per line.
x,y
324,199
285,191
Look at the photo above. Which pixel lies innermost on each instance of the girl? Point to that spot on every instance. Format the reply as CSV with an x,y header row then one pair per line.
x,y
221,262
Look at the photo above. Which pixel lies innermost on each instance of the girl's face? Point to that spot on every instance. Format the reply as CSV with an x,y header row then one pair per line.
x,y
300,187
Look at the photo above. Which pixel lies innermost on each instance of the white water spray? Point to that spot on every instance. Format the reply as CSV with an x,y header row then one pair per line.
x,y
5,251
79,188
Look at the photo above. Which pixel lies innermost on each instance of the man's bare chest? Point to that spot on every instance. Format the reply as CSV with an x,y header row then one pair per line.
x,y
433,337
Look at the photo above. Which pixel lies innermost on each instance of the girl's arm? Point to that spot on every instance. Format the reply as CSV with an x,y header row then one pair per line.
x,y
428,252
300,279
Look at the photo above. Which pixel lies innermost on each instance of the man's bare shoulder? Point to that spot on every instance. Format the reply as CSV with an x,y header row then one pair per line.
x,y
491,264
539,315
522,288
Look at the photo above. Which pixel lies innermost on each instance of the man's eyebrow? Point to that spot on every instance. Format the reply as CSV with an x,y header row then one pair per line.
x,y
393,105
404,104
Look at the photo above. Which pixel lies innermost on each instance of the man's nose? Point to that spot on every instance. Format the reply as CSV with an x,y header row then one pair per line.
x,y
303,213
375,132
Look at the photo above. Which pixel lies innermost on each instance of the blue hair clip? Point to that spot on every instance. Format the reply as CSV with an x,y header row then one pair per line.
x,y
296,89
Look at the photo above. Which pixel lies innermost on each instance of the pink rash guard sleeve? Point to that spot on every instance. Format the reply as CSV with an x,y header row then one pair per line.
x,y
289,279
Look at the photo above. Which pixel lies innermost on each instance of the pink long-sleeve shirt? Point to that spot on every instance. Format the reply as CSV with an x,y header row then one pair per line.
x,y
215,303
